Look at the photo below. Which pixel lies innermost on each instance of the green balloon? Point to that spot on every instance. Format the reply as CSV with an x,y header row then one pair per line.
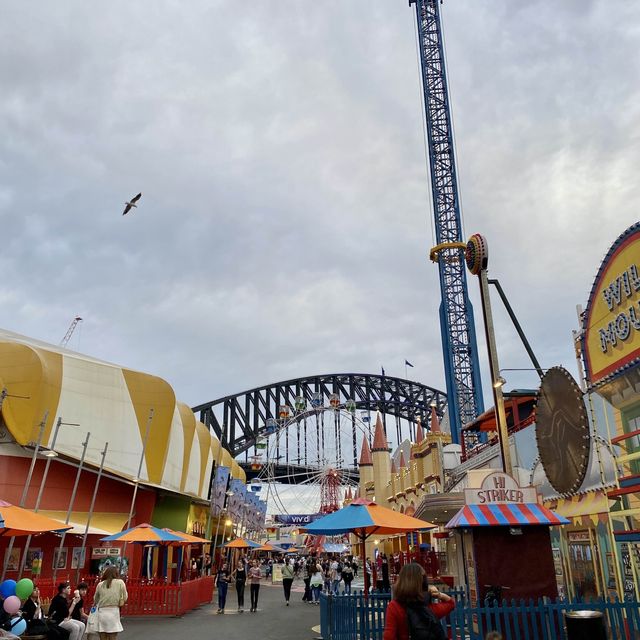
x,y
24,588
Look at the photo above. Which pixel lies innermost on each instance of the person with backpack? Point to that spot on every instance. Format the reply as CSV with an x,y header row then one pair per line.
x,y
288,572
416,608
347,577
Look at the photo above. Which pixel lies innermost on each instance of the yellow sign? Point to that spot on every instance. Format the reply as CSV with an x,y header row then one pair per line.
x,y
612,320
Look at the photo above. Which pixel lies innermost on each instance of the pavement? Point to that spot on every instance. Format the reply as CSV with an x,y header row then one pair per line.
x,y
272,621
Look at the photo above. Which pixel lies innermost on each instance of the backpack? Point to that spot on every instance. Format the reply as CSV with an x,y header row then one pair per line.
x,y
423,624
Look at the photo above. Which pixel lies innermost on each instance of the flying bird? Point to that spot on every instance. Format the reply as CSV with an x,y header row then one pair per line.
x,y
131,204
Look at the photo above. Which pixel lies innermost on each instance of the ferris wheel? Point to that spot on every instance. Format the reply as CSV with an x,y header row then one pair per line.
x,y
310,455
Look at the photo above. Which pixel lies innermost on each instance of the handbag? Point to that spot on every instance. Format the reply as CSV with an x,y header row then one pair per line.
x,y
92,621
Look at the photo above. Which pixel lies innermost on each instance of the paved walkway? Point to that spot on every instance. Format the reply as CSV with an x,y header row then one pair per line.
x,y
272,621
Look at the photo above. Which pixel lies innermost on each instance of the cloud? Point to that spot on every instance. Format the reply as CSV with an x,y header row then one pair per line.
x,y
285,223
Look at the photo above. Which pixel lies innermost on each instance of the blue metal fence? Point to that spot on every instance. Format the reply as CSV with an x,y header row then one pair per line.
x,y
355,617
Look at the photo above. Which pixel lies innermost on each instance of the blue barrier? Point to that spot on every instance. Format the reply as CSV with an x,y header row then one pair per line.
x,y
354,617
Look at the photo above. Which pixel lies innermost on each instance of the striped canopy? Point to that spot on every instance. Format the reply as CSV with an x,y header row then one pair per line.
x,y
364,518
496,515
144,533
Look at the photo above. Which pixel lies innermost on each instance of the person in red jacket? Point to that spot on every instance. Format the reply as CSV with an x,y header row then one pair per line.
x,y
411,589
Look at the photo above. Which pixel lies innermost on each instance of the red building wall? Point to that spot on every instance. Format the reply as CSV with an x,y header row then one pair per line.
x,y
114,496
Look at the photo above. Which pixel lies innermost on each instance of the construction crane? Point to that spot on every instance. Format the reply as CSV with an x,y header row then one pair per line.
x,y
70,330
462,369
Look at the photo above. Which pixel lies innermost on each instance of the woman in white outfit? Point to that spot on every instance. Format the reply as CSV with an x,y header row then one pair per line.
x,y
111,594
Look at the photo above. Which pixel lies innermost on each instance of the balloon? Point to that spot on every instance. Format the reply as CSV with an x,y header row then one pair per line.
x,y
18,626
12,605
8,588
24,588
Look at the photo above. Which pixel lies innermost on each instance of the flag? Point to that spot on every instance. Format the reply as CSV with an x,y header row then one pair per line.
x,y
408,364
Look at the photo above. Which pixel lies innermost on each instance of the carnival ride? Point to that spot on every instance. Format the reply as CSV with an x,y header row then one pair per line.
x,y
319,470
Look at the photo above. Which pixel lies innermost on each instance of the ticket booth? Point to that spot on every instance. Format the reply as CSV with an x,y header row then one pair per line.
x,y
504,534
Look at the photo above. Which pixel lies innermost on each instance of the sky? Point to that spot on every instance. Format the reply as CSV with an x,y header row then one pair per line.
x,y
285,222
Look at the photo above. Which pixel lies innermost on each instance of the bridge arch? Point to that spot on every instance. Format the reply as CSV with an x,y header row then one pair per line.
x,y
239,419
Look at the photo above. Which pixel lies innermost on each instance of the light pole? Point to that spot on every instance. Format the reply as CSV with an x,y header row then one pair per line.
x,y
25,490
90,514
74,491
50,454
477,258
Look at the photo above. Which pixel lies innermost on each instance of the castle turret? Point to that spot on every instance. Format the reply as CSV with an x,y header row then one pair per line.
x,y
381,462
365,465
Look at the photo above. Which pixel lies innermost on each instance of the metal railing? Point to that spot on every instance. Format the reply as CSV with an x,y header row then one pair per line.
x,y
355,617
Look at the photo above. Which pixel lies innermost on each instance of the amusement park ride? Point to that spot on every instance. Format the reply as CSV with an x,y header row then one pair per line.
x,y
288,421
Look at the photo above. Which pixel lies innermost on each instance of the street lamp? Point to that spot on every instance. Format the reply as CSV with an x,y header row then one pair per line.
x,y
499,383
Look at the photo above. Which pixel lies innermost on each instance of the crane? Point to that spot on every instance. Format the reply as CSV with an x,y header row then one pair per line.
x,y
462,368
70,330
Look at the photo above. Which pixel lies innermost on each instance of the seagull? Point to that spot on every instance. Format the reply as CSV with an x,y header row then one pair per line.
x,y
131,204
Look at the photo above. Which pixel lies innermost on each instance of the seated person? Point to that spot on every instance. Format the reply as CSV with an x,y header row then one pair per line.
x,y
60,612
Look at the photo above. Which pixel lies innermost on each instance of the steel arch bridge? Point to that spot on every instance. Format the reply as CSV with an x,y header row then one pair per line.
x,y
239,419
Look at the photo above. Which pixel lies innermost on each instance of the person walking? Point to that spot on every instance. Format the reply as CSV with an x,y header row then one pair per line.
x,y
308,572
347,577
416,608
386,584
59,612
111,594
288,573
255,575
240,576
335,575
316,583
222,582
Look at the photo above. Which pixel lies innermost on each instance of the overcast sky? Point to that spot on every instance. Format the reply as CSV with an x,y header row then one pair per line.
x,y
285,223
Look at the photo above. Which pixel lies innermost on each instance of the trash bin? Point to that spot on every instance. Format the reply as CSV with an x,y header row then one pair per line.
x,y
583,625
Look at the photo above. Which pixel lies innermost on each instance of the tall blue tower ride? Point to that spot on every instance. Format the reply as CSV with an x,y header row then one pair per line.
x,y
462,369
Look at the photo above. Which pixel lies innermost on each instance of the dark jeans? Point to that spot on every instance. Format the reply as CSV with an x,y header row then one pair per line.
x,y
316,593
347,588
255,590
286,584
307,590
240,591
222,594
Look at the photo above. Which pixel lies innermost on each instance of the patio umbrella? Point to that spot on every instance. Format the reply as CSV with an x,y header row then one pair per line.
x,y
241,543
267,546
364,518
185,538
144,533
22,522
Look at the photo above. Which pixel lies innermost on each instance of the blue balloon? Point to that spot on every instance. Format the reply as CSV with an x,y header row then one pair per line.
x,y
18,626
8,588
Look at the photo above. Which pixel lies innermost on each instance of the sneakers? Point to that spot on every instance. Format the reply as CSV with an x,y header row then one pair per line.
x,y
287,603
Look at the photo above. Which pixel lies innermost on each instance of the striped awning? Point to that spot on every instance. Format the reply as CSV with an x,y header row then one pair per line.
x,y
497,515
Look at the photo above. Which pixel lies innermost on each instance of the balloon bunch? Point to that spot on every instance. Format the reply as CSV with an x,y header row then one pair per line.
x,y
13,593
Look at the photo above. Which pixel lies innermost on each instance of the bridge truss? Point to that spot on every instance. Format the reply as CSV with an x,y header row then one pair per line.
x,y
239,420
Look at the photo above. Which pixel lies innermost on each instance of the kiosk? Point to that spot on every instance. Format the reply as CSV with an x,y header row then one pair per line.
x,y
504,532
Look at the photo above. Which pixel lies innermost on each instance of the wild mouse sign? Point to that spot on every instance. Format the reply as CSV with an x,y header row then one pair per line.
x,y
500,488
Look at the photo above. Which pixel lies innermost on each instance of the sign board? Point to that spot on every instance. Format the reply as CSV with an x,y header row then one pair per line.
x,y
105,552
301,519
579,537
611,339
500,488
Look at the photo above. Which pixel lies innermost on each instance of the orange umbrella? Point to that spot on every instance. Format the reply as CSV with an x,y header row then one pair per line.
x,y
22,522
241,543
187,538
267,546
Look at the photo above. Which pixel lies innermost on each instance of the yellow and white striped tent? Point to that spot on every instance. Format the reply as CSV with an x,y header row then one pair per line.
x,y
113,403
